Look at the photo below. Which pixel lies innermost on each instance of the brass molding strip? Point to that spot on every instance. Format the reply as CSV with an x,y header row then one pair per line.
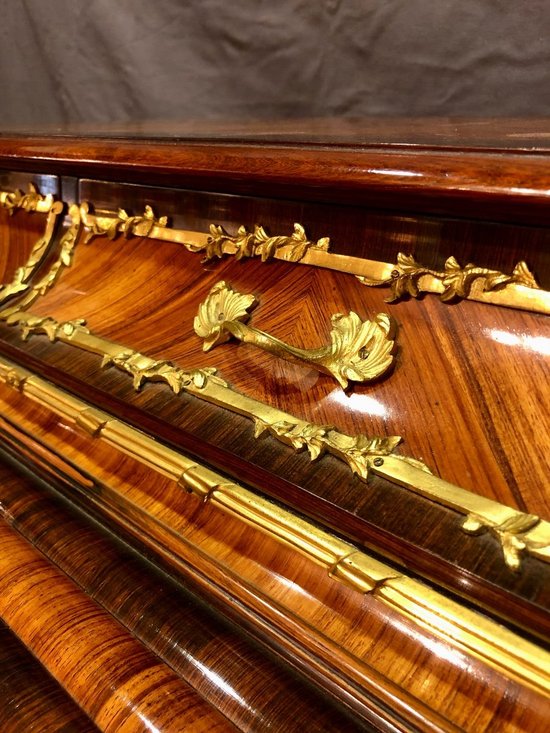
x,y
516,532
467,630
405,277
359,351
31,201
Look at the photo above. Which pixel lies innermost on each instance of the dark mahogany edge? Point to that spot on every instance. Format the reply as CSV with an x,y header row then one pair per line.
x,y
499,186
419,561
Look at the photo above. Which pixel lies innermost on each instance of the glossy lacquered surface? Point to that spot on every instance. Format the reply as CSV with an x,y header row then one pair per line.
x,y
474,425
18,234
467,394
482,184
353,636
30,698
119,684
225,667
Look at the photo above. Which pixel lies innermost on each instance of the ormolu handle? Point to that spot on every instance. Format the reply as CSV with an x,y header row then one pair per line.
x,y
358,351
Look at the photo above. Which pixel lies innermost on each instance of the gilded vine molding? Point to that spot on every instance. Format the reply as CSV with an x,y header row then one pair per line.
x,y
408,278
466,629
33,200
517,533
405,278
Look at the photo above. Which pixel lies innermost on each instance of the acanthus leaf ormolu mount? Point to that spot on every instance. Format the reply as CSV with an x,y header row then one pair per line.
x,y
250,477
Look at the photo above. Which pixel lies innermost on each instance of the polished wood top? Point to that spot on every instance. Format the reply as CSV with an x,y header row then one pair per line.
x,y
474,133
484,169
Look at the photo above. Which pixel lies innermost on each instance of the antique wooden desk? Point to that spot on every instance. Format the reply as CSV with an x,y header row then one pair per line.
x,y
274,416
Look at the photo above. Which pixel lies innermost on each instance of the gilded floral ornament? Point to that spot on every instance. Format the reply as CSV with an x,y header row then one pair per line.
x,y
121,223
457,282
33,200
143,369
222,306
359,350
358,451
512,534
258,244
53,329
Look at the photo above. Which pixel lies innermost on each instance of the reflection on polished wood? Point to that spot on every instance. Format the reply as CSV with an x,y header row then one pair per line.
x,y
225,667
343,629
279,599
53,618
31,699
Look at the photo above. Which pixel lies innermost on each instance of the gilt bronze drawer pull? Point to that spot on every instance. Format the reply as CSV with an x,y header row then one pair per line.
x,y
359,351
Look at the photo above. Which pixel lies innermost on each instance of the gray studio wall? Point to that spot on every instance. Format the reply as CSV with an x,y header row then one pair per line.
x,y
115,60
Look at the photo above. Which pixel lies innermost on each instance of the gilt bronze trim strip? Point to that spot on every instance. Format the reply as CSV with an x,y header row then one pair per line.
x,y
465,629
517,533
405,278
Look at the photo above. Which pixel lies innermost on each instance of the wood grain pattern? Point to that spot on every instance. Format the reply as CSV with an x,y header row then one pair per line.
x,y
226,668
370,645
296,304
467,394
486,405
483,184
31,700
18,233
116,681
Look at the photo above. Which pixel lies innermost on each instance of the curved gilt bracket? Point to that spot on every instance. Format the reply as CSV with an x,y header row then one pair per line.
x,y
31,201
67,244
359,351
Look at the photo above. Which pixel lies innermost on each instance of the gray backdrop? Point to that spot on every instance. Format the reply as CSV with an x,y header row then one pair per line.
x,y
115,60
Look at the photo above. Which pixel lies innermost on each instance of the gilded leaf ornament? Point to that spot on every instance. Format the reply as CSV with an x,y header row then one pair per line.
x,y
517,533
143,369
512,535
358,451
457,282
121,223
359,350
258,244
223,305
33,200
